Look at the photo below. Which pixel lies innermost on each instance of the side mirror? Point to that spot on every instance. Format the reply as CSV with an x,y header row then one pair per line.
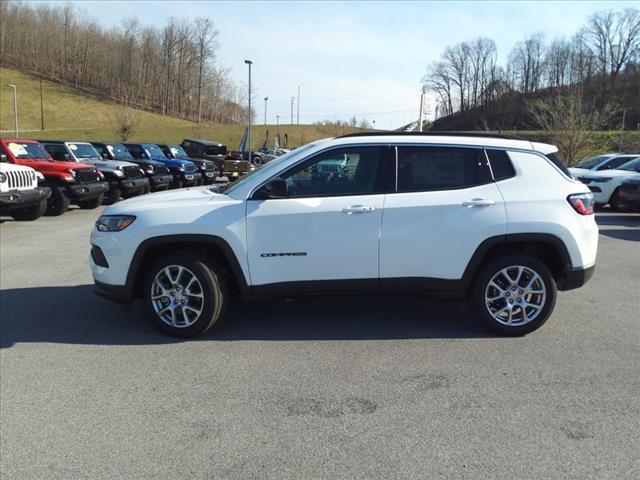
x,y
605,167
105,156
276,188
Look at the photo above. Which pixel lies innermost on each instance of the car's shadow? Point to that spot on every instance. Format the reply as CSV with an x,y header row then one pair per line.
x,y
76,315
618,220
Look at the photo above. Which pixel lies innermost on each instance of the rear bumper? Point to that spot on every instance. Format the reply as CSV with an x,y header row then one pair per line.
x,y
84,191
572,278
23,198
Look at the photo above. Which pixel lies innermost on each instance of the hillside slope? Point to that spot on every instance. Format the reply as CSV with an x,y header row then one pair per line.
x,y
72,114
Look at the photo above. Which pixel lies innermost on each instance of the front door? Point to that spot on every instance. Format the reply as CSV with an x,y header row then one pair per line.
x,y
327,228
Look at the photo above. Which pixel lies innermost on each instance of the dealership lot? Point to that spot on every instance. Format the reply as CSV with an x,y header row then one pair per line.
x,y
386,387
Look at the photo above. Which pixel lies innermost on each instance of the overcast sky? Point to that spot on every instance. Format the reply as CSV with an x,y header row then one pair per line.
x,y
354,58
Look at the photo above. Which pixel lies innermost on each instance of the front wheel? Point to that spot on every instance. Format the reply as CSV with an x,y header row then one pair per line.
x,y
58,202
177,183
91,204
185,295
113,195
30,213
514,295
614,201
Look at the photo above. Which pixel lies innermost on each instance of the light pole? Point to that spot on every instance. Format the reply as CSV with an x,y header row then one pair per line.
x,y
15,108
265,110
292,99
298,117
277,123
249,62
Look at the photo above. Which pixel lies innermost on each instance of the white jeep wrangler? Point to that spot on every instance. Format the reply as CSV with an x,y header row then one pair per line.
x,y
20,195
495,219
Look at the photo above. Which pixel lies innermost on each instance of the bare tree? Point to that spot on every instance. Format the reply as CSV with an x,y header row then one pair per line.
x,y
205,41
125,122
569,122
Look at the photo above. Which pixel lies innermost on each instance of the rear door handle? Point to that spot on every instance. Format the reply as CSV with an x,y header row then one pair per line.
x,y
478,202
358,209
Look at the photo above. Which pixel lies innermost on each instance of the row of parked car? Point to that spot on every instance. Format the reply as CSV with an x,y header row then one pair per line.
x,y
613,178
46,176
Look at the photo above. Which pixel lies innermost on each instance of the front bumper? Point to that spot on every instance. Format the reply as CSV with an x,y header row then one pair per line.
x,y
160,182
85,191
23,198
572,278
189,178
131,185
630,200
114,293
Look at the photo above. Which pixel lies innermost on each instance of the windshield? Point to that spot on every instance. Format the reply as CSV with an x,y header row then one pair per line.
x,y
118,150
178,151
154,151
589,163
633,165
83,150
272,165
28,150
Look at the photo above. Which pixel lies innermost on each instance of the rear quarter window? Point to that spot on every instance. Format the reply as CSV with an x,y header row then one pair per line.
x,y
555,159
501,165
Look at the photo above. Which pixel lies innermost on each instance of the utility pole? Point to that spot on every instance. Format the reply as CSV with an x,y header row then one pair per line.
x,y
41,108
249,62
421,108
298,118
624,118
292,99
277,123
15,109
265,110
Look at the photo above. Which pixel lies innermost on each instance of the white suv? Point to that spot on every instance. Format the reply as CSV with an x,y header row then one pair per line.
x,y
491,218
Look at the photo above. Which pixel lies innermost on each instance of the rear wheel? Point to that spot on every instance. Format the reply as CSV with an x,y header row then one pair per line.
x,y
30,213
93,203
185,295
58,202
514,295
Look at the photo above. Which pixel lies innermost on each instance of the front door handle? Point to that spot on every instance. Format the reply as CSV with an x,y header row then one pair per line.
x,y
358,209
478,202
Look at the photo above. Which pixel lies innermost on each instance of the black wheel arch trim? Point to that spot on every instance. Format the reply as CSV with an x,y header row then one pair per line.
x,y
510,238
211,240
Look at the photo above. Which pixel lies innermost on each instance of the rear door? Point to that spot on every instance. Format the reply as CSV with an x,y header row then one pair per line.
x,y
446,204
328,225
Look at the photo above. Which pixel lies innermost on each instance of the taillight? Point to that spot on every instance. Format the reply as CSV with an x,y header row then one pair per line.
x,y
582,203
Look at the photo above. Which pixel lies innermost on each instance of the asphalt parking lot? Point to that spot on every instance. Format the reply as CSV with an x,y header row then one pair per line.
x,y
387,387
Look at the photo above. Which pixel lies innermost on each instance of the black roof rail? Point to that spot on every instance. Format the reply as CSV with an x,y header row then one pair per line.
x,y
394,133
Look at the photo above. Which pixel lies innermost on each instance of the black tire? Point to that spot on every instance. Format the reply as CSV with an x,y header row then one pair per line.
x,y
58,202
614,201
113,195
256,159
199,182
177,183
214,290
91,204
31,213
147,189
481,284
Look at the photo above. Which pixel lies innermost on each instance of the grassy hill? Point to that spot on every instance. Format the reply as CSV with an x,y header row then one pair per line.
x,y
72,114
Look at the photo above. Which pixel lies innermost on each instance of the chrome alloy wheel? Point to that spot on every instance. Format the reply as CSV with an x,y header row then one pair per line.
x,y
177,296
515,295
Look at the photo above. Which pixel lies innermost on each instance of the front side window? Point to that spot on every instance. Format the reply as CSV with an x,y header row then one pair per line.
x,y
440,168
343,171
178,152
615,163
118,150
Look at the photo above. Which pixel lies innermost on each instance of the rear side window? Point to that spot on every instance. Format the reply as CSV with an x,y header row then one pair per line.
x,y
559,163
501,165
440,168
615,163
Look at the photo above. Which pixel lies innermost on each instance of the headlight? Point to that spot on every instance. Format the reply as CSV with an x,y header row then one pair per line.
x,y
149,168
114,223
203,167
181,169
118,173
601,179
73,173
3,178
40,177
